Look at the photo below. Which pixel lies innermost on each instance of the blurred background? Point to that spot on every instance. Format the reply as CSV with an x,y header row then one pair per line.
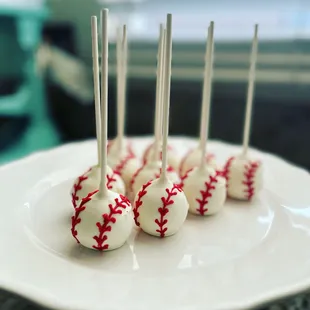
x,y
46,91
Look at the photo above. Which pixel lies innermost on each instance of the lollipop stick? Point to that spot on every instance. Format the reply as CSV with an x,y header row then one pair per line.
x,y
249,102
94,32
162,86
119,80
206,96
157,122
124,79
166,104
104,101
122,73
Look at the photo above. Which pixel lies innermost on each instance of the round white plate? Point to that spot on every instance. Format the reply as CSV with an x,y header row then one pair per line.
x,y
246,255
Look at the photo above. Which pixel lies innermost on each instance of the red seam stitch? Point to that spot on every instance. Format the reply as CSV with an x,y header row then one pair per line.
x,y
249,174
183,162
108,218
184,177
132,181
111,179
164,209
169,169
139,202
147,151
205,195
226,170
77,187
208,158
75,219
119,168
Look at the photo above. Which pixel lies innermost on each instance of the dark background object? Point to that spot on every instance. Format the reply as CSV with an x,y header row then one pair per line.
x,y
61,35
11,128
281,115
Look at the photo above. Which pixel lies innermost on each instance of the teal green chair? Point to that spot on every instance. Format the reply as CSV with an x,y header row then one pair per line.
x,y
20,34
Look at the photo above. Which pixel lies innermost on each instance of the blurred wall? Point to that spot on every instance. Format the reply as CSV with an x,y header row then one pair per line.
x,y
234,19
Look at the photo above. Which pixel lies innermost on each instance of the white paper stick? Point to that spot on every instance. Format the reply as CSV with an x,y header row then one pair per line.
x,y
162,85
121,109
166,105
249,102
96,73
157,121
207,91
119,81
104,101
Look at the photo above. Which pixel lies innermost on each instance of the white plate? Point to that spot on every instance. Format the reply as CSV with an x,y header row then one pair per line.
x,y
244,256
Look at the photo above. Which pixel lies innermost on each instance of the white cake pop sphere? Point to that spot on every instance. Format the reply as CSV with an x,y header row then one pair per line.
x,y
113,148
125,165
160,208
151,171
102,223
173,159
89,182
205,190
192,159
244,177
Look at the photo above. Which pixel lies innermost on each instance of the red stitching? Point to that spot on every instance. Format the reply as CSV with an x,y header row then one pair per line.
x,y
164,209
183,161
134,177
111,179
77,187
147,151
205,195
75,219
108,218
119,168
138,202
157,175
226,169
249,175
208,158
184,177
169,169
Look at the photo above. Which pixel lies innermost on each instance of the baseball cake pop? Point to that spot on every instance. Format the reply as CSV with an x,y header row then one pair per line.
x,y
89,181
243,174
205,190
151,169
121,156
156,145
103,220
160,207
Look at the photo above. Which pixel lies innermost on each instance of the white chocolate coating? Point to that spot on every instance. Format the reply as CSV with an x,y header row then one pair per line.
x,y
244,177
102,224
151,171
89,182
173,159
192,159
113,149
205,191
126,167
160,208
